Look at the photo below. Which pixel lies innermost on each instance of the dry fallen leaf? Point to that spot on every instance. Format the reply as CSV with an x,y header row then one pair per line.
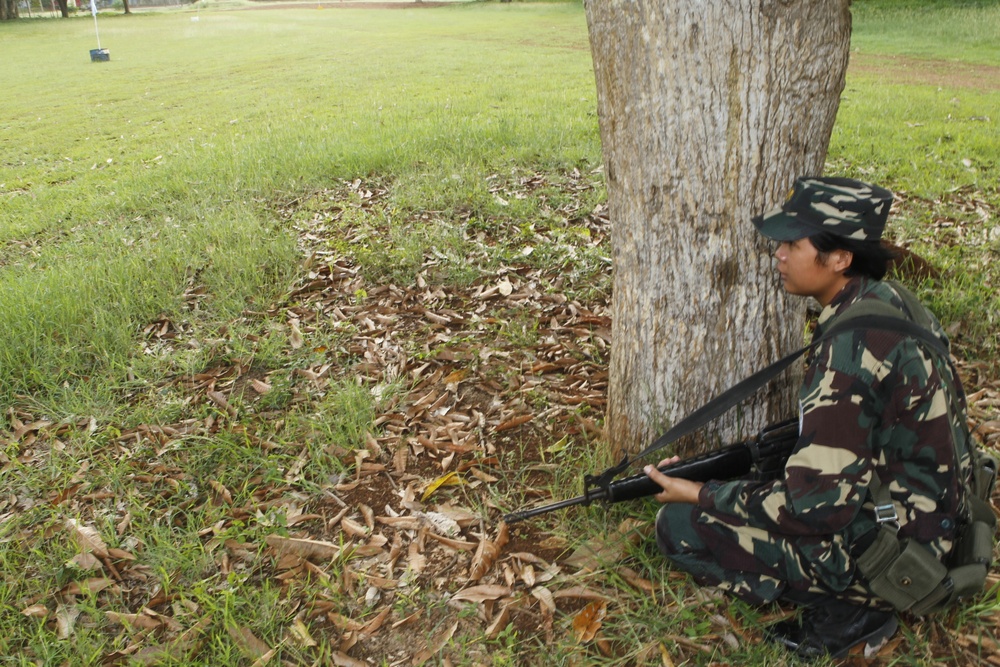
x,y
451,479
66,616
528,575
221,492
434,646
341,659
581,592
120,554
460,515
295,336
369,515
483,592
553,543
500,622
399,459
460,545
85,561
482,476
251,646
487,554
633,578
139,621
415,560
177,649
456,376
412,618
373,625
302,547
300,633
353,528
220,400
544,596
505,286
442,524
260,387
263,660
589,621
87,538
35,611
400,522
343,622
513,422
92,586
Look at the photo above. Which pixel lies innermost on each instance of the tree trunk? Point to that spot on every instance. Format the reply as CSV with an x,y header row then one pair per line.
x,y
127,10
708,111
8,10
63,8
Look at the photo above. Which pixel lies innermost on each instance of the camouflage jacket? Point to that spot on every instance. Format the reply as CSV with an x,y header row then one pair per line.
x,y
870,400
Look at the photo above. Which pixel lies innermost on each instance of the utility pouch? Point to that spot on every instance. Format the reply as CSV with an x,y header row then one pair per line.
x,y
984,475
973,551
910,578
974,545
970,562
902,572
972,554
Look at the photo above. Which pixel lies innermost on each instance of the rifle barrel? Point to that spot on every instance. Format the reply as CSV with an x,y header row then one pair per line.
x,y
521,515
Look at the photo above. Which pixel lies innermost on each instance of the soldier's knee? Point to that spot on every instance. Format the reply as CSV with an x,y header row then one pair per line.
x,y
675,532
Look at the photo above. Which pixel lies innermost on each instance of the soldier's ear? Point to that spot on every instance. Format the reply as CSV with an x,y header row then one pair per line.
x,y
840,260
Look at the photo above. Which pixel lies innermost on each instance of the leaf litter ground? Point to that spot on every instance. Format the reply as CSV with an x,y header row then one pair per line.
x,y
385,542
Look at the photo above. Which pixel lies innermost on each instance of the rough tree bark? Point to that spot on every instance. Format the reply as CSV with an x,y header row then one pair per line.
x,y
708,110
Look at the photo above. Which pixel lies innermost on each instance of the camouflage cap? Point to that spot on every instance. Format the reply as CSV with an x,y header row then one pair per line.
x,y
840,206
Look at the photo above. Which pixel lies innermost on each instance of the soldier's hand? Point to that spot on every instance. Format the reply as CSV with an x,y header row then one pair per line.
x,y
675,489
667,462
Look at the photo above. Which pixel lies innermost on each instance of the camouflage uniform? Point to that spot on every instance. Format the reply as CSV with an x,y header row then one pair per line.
x,y
870,400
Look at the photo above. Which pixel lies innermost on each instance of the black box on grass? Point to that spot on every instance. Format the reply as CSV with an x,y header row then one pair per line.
x,y
99,55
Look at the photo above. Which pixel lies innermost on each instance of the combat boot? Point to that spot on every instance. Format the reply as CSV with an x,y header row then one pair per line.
x,y
833,628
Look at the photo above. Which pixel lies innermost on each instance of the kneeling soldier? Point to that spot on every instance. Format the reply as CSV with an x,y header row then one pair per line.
x,y
882,461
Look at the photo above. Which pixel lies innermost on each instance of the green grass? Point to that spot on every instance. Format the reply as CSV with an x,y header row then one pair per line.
x,y
960,31
156,211
182,144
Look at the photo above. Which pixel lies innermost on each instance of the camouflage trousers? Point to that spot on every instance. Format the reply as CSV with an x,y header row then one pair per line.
x,y
750,563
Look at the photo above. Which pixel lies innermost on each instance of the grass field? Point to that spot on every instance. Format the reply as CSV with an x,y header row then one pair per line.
x,y
261,260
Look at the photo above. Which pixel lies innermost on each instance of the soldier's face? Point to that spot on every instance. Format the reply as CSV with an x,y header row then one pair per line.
x,y
805,273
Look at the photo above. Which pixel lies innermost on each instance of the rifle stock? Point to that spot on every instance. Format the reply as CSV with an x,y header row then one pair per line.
x,y
764,455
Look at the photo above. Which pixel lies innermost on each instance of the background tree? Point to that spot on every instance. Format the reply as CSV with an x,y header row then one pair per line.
x,y
8,10
708,111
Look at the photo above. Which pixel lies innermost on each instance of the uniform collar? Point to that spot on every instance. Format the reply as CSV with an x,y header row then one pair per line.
x,y
857,287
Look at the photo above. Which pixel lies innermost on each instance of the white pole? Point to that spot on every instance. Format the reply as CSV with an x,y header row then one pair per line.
x,y
93,10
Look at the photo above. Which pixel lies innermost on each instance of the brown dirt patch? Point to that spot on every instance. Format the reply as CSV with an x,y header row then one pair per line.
x,y
350,5
916,71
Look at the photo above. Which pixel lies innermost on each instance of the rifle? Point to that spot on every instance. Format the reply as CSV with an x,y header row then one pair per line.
x,y
763,455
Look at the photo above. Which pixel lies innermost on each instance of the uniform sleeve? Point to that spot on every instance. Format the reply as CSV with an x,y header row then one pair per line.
x,y
826,478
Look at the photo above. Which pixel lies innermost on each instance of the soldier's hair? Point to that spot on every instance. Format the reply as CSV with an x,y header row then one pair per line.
x,y
869,258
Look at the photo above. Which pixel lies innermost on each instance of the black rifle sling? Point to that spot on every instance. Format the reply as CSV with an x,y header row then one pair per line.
x,y
867,314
